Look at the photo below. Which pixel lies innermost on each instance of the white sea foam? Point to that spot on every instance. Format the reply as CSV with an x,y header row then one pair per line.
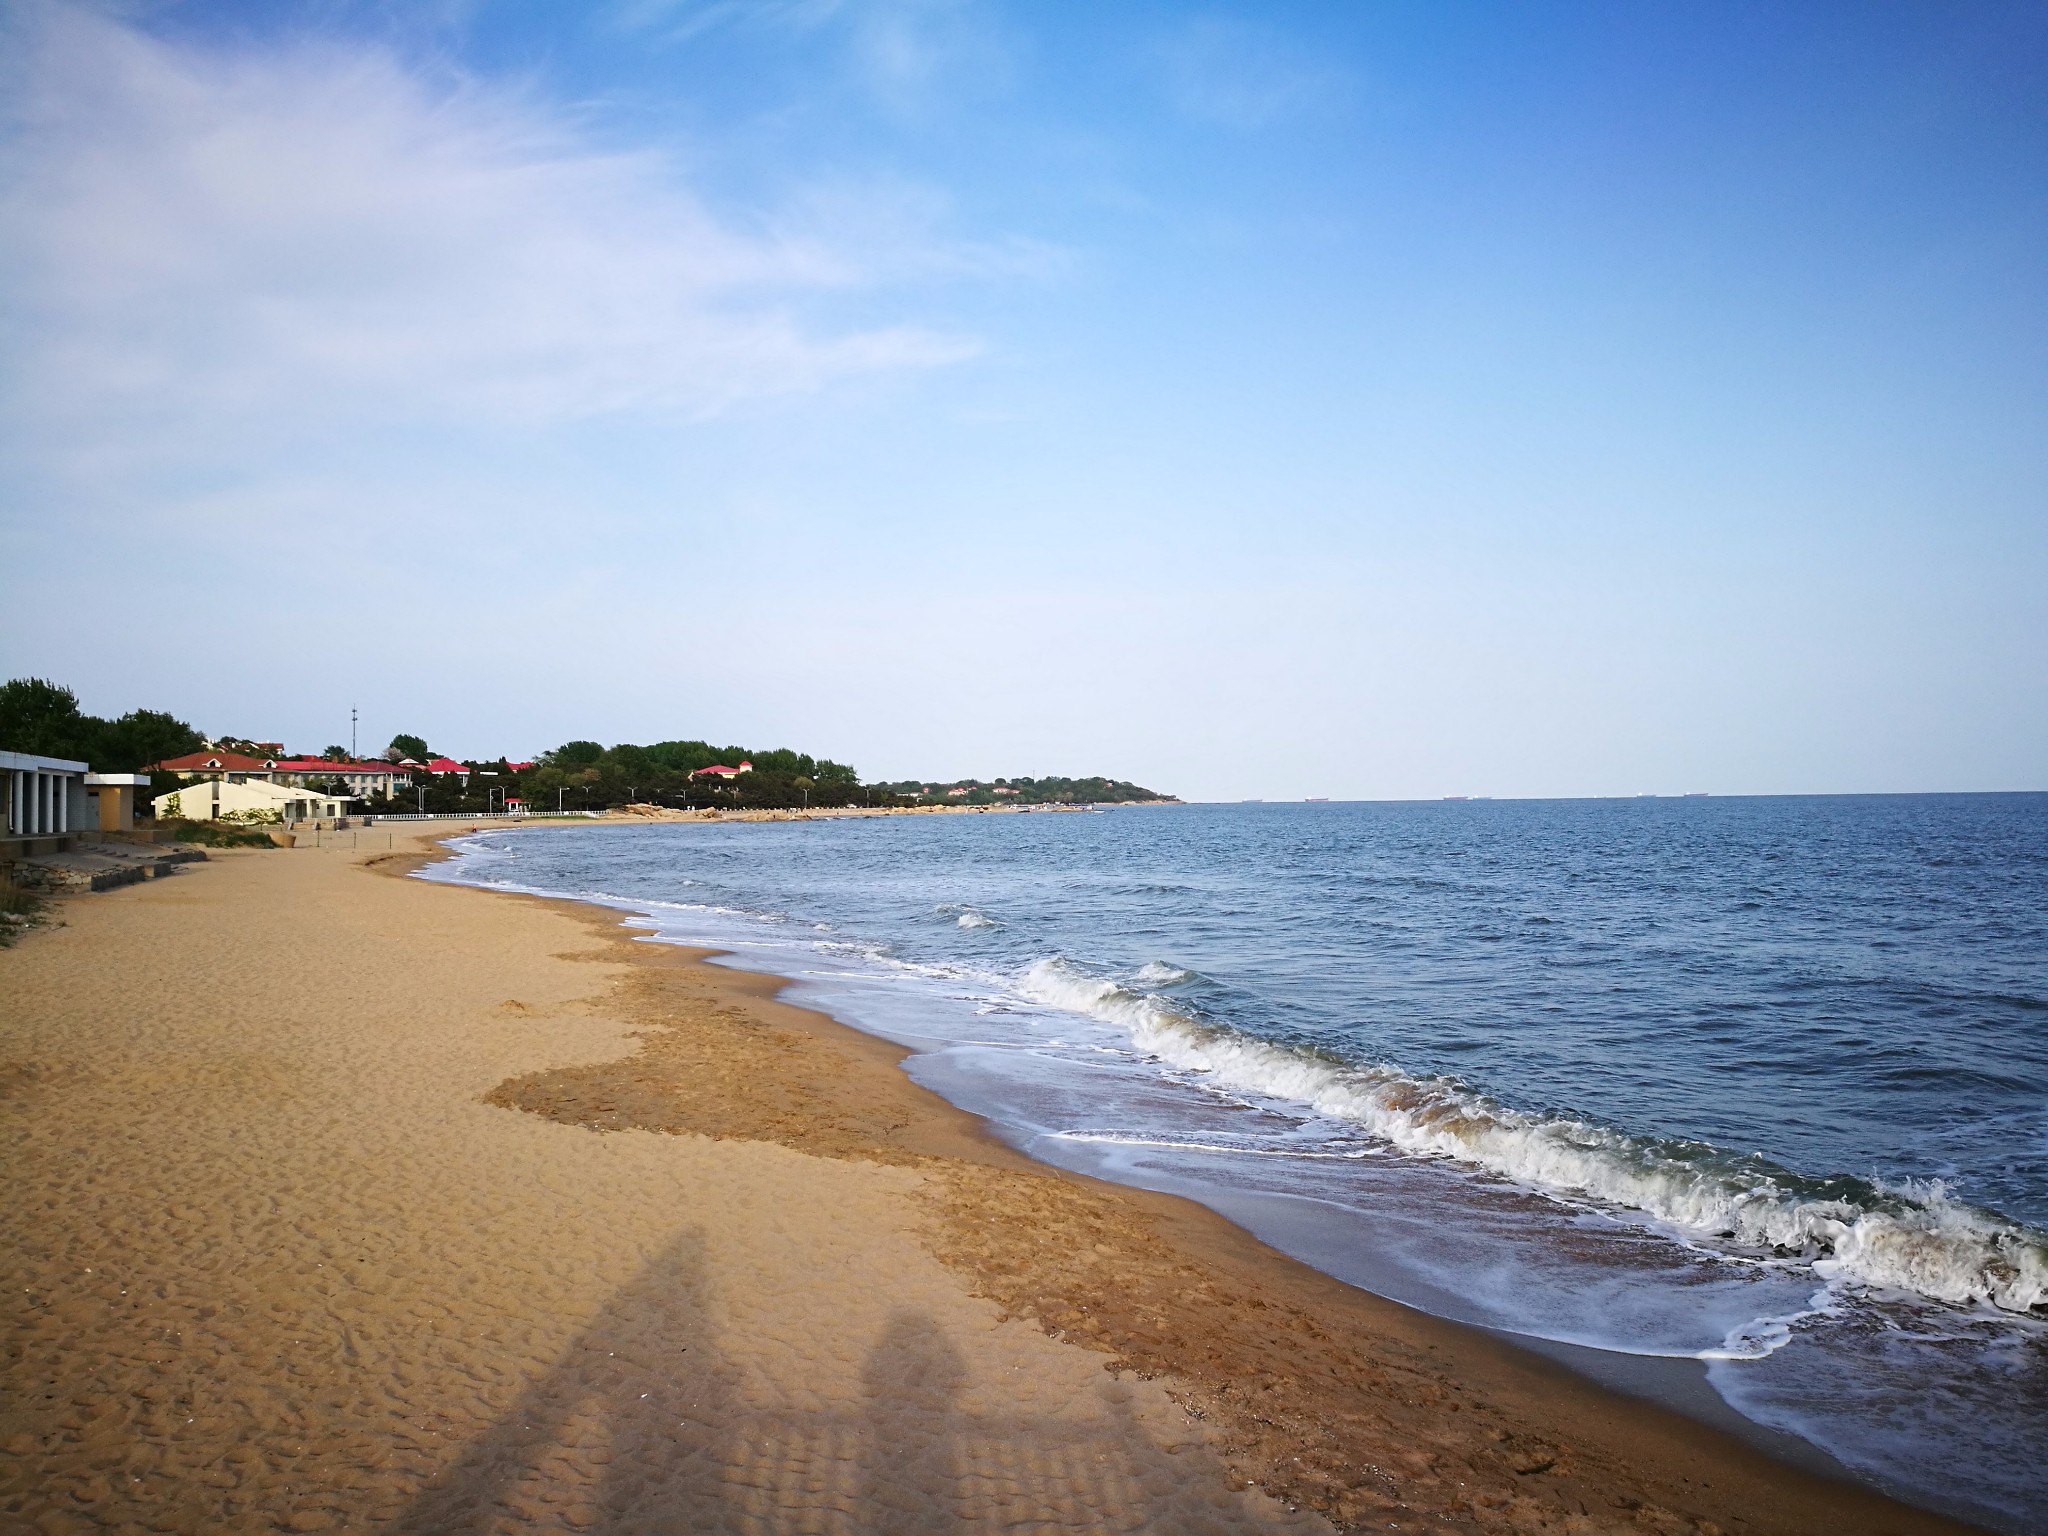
x,y
1913,1239
973,919
1157,973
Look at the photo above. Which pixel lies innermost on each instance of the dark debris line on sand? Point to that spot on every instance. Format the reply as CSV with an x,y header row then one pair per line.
x,y
1368,1431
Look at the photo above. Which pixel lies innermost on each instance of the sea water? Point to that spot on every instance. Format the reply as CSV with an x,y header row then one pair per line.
x,y
1739,1102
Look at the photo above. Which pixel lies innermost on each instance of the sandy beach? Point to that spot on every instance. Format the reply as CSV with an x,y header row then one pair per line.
x,y
341,1201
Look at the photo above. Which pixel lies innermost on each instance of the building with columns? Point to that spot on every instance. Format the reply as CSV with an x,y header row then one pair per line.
x,y
46,799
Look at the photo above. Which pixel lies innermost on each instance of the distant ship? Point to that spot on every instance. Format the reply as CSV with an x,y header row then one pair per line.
x,y
1315,800
1457,797
1694,794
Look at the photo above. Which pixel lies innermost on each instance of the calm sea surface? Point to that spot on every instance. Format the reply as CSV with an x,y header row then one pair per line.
x,y
1741,1102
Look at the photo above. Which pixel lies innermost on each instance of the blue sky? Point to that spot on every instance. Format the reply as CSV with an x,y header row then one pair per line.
x,y
1250,400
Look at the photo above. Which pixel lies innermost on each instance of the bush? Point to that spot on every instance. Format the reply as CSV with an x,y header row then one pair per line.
x,y
19,910
218,834
268,816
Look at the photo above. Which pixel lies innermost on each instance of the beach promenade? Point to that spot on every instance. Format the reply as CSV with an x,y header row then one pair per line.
x,y
340,1201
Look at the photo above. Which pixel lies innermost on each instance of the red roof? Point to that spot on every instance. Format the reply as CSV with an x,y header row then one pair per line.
x,y
518,767
219,762
446,765
721,770
328,765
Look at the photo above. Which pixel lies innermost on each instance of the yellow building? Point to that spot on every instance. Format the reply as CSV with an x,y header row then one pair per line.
x,y
251,800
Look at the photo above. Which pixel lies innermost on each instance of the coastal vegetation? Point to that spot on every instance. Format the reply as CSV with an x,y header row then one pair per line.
x,y
586,775
43,717
230,831
20,910
1025,791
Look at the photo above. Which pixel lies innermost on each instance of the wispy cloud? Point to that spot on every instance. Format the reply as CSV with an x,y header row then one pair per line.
x,y
679,20
1233,72
902,55
317,230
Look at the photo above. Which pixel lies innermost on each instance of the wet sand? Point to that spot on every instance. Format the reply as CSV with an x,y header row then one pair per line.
x,y
339,1201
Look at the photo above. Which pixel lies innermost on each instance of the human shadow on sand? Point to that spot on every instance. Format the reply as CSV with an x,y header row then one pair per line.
x,y
643,1425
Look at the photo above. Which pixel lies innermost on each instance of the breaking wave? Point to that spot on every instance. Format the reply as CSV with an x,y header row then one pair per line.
x,y
1910,1237
965,916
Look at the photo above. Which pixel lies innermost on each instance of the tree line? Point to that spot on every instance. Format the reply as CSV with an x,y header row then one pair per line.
x,y
1025,791
587,775
44,718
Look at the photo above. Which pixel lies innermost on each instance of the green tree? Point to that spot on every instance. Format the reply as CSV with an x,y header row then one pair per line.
x,y
43,717
636,763
141,737
414,747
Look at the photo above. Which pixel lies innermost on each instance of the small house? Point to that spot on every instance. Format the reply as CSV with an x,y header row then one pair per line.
x,y
251,800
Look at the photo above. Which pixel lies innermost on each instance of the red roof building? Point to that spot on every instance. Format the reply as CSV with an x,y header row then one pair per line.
x,y
720,771
233,766
361,778
447,765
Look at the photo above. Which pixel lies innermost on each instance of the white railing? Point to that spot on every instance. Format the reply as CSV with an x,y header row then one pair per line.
x,y
472,815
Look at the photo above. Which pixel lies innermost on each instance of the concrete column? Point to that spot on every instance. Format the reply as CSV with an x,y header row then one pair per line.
x,y
14,800
60,794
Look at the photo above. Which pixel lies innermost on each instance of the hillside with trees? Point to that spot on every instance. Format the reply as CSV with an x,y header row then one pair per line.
x,y
43,718
589,776
586,775
1025,791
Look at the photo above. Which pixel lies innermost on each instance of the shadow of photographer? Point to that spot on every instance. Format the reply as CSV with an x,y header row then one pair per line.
x,y
644,1424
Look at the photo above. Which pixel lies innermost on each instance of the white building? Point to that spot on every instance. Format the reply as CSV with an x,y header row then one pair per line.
x,y
364,780
210,799
46,796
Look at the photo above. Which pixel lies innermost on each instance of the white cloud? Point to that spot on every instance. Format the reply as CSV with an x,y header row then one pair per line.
x,y
1245,76
903,55
316,232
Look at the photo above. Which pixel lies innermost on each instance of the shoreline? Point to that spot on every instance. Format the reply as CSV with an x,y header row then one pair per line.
x,y
1530,1370
1141,1326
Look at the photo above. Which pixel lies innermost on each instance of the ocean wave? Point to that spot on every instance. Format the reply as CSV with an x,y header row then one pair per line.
x,y
1157,973
1911,1237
